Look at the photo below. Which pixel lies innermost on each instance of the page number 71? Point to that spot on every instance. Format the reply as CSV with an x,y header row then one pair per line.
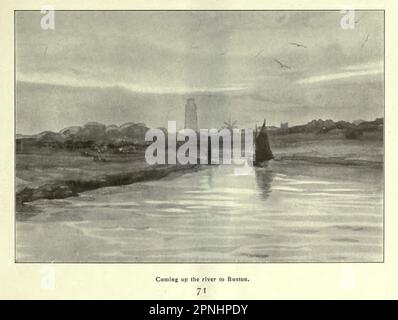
x,y
200,291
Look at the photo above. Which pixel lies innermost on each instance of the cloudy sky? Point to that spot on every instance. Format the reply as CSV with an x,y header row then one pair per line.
x,y
116,67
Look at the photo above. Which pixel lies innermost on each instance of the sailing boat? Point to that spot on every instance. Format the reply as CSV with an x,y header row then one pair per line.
x,y
262,150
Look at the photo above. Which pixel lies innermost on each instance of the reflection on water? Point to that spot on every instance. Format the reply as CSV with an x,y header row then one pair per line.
x,y
284,213
264,180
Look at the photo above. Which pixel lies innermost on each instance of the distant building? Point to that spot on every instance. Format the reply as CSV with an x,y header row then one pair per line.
x,y
284,125
191,115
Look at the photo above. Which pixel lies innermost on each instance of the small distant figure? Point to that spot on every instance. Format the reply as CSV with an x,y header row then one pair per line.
x,y
365,41
282,65
98,156
259,53
356,21
298,45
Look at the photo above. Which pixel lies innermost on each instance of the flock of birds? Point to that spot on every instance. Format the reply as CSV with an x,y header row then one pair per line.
x,y
295,44
299,45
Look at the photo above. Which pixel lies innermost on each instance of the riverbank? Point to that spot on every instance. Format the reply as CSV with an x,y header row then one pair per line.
x,y
319,150
49,174
62,175
331,160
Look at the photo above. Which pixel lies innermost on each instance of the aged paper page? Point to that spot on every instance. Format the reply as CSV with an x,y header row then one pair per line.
x,y
198,150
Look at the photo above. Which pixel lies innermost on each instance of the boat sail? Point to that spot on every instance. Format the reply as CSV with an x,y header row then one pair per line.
x,y
262,149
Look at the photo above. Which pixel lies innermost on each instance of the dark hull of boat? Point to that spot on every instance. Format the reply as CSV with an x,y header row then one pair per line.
x,y
263,164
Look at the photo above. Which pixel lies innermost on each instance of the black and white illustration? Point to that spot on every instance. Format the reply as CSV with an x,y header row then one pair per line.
x,y
199,136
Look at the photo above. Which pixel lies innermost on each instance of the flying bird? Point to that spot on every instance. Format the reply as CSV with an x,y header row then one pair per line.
x,y
364,42
283,66
259,53
356,21
298,45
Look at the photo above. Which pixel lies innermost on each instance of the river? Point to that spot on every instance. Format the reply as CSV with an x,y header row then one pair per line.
x,y
288,212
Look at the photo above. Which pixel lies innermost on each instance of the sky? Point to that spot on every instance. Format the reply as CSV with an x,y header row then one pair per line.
x,y
141,66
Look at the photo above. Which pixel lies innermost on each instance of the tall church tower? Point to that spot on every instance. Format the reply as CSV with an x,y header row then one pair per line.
x,y
191,115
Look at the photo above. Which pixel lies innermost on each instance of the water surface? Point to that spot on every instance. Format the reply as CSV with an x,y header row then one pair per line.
x,y
288,212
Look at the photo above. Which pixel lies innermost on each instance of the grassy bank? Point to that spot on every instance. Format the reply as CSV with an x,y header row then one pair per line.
x,y
59,174
322,148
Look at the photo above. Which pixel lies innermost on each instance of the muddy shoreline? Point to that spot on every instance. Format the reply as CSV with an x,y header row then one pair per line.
x,y
331,161
70,188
